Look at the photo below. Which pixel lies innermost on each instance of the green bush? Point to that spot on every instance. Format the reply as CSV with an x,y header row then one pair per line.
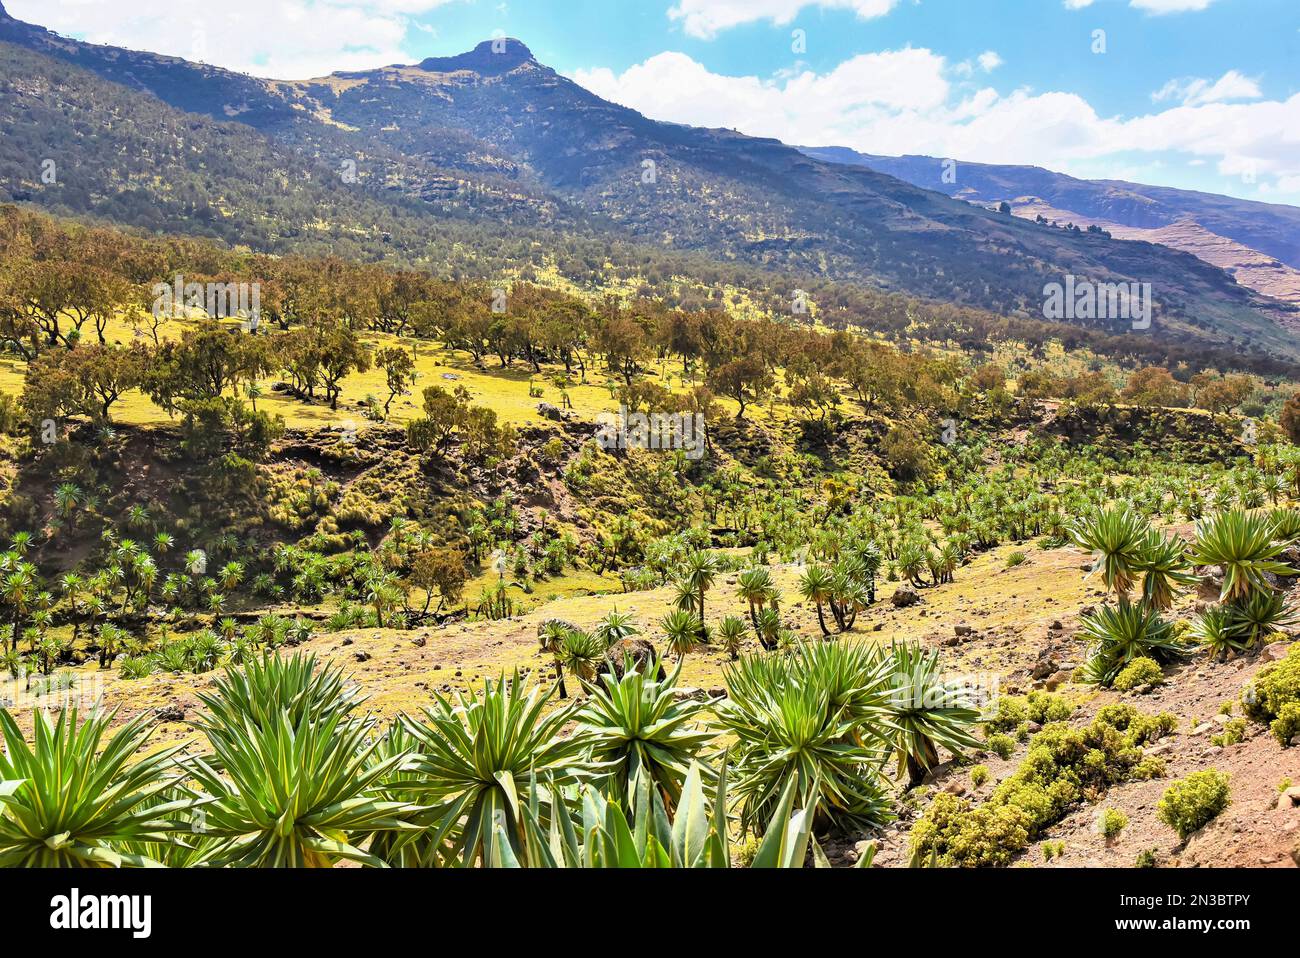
x,y
1011,711
1113,821
966,836
1287,724
1064,766
1194,802
1001,745
1138,673
1274,686
979,775
1234,731
1146,858
1045,707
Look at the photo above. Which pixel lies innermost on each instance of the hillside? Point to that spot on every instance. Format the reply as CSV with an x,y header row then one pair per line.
x,y
1257,243
505,118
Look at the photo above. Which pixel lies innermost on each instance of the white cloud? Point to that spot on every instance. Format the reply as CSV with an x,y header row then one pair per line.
x,y
1159,7
1077,4
989,61
285,39
705,19
901,101
1194,91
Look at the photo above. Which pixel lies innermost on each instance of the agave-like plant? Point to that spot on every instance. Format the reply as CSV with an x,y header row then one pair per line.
x,y
1262,613
1218,632
292,787
65,802
581,653
787,727
475,755
816,585
615,627
1242,544
637,726
1124,632
682,631
1117,535
1163,563
731,635
926,711
1286,524
645,834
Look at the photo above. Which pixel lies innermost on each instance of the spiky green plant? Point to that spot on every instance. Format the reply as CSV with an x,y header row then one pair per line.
x,y
581,653
645,834
1285,524
477,752
615,627
1124,632
1262,613
1163,562
1117,536
1217,631
682,632
1242,544
731,634
926,711
637,726
65,802
292,781
788,727
816,585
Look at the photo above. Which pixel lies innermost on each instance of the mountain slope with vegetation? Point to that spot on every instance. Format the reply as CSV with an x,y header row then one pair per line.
x,y
497,112
1258,243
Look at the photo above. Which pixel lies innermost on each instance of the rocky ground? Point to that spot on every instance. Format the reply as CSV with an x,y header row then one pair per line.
x,y
1010,626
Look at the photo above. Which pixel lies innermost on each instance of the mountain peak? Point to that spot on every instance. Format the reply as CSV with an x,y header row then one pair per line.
x,y
489,58
4,14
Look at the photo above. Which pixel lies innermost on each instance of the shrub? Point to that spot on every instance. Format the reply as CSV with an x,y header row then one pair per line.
x,y
1194,802
979,775
1015,559
1011,711
1274,686
959,835
1234,731
1139,673
1053,850
1287,724
1064,766
1113,821
1001,745
1014,711
1146,858
1045,707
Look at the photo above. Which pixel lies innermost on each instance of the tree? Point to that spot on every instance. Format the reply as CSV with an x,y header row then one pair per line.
x,y
85,381
1154,386
207,363
440,569
745,380
445,415
399,368
341,353
1290,419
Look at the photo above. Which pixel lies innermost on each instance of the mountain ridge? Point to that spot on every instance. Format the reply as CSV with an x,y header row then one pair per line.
x,y
737,198
1134,210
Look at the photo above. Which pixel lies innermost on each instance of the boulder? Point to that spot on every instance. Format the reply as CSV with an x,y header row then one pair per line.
x,y
639,652
905,595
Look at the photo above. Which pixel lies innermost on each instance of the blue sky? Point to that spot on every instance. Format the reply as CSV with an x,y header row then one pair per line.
x,y
1201,94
